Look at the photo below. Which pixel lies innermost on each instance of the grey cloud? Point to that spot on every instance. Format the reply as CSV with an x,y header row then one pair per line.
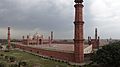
x,y
47,16
29,16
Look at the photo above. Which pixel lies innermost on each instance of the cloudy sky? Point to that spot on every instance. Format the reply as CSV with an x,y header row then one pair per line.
x,y
42,16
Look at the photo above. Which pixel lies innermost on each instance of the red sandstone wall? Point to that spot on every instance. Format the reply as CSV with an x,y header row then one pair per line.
x,y
53,54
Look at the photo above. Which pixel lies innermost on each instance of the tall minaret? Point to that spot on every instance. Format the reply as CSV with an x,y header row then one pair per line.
x,y
51,36
96,34
78,34
98,42
38,40
41,40
23,37
96,39
8,37
27,39
49,40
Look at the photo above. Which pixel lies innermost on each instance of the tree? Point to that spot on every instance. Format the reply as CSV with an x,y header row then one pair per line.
x,y
108,55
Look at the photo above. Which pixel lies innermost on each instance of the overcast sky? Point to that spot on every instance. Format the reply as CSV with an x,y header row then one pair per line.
x,y
42,16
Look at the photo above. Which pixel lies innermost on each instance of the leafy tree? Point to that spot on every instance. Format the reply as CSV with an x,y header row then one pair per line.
x,y
108,55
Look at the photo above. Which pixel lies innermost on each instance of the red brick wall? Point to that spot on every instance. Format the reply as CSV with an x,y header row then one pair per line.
x,y
54,54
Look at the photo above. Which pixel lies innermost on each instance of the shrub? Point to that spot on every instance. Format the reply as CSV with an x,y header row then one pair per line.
x,y
23,63
1,47
2,64
6,51
12,58
13,65
13,45
6,57
108,55
1,54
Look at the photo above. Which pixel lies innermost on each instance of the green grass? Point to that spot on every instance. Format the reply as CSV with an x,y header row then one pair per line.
x,y
34,60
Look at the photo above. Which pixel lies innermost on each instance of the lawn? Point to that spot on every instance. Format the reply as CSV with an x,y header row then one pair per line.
x,y
33,60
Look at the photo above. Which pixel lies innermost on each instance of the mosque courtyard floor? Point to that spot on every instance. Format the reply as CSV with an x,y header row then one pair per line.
x,y
56,47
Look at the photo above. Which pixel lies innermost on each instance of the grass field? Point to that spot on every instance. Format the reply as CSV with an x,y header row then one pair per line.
x,y
33,60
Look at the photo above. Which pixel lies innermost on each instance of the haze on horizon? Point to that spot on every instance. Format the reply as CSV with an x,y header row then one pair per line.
x,y
42,16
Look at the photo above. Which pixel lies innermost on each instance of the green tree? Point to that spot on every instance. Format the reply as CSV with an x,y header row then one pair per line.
x,y
108,55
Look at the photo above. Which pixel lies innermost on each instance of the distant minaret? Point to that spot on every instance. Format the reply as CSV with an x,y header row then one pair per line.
x,y
49,39
78,34
51,36
89,40
96,35
38,40
42,40
8,37
27,39
98,42
23,37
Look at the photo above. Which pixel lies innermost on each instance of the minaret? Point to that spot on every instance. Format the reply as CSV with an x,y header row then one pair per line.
x,y
41,40
38,40
51,36
49,40
23,37
27,39
98,42
89,40
96,34
78,34
96,39
8,37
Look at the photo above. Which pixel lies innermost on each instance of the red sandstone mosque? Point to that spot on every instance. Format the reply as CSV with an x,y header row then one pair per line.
x,y
37,39
72,53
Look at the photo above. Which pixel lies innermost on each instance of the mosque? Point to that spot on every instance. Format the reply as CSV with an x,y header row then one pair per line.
x,y
72,53
37,39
